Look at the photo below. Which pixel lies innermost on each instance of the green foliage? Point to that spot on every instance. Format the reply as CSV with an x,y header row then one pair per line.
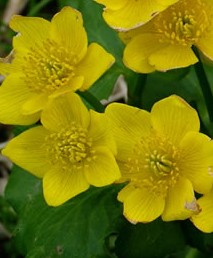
x,y
79,228
152,240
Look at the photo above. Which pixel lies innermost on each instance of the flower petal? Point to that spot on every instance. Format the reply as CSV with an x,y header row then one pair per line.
x,y
94,64
132,13
74,84
34,104
203,220
173,118
103,170
197,162
14,93
67,30
180,201
33,30
139,49
60,112
205,44
27,150
171,57
100,131
60,185
141,205
128,125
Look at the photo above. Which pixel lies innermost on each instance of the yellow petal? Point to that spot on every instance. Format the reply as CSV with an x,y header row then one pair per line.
x,y
103,170
197,161
27,151
205,44
60,112
171,57
180,201
203,220
68,31
141,205
100,131
174,118
93,65
128,125
34,104
33,30
132,14
139,49
73,85
60,185
14,93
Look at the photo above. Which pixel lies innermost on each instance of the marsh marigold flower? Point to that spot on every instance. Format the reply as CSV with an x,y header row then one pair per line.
x,y
72,150
128,14
166,41
50,58
163,157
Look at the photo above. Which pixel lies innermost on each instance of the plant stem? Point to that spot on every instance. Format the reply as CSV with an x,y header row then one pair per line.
x,y
204,85
38,7
135,99
95,103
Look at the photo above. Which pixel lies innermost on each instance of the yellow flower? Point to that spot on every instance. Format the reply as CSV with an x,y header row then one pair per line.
x,y
166,41
50,58
164,158
71,151
126,14
203,220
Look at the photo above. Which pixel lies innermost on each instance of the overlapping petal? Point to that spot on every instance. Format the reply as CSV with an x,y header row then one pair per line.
x,y
140,205
32,30
128,124
180,201
93,65
67,30
173,118
197,161
126,15
203,219
13,95
63,110
103,170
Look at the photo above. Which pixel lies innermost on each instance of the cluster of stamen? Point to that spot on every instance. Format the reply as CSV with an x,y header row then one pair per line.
x,y
49,67
154,164
183,23
70,146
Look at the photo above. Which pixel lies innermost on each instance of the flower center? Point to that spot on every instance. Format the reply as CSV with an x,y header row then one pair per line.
x,y
49,67
154,164
70,146
184,22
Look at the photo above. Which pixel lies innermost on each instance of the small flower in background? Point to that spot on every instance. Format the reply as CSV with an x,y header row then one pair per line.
x,y
203,220
166,41
125,14
71,151
164,158
50,58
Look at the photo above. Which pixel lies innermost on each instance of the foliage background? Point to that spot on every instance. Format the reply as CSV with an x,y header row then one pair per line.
x,y
91,225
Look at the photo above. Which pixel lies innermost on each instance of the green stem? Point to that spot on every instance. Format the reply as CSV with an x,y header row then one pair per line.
x,y
38,7
135,99
95,103
204,85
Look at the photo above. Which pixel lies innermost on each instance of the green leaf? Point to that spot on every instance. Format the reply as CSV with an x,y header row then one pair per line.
x,y
198,239
153,240
77,229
